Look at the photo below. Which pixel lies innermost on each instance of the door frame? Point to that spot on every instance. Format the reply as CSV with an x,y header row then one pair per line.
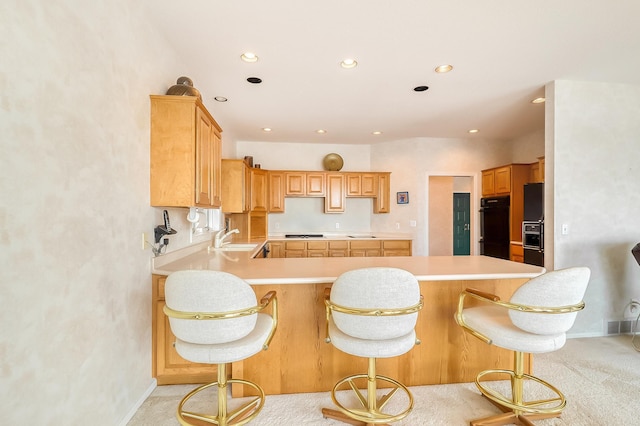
x,y
474,205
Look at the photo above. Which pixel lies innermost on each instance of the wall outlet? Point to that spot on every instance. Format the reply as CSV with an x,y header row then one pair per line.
x,y
397,225
144,241
337,225
565,229
412,223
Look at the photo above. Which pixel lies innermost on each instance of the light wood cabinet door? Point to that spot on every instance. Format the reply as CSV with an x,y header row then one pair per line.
x,y
315,185
276,192
382,203
488,183
396,248
259,188
334,199
236,191
295,184
168,366
361,184
503,180
184,153
276,249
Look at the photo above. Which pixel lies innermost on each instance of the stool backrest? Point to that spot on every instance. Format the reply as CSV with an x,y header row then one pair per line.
x,y
375,288
564,287
209,292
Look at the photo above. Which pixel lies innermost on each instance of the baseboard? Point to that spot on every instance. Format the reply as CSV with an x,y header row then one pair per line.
x,y
138,404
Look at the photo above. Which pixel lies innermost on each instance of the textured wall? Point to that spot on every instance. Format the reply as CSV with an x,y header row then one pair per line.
x,y
593,158
75,79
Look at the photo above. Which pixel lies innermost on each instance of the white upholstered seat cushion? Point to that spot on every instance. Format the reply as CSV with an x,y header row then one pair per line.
x,y
495,323
367,348
223,353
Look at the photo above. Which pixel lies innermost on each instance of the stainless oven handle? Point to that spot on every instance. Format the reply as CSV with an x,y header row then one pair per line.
x,y
541,236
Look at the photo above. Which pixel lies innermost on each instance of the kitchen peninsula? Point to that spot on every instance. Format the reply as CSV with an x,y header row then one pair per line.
x,y
299,360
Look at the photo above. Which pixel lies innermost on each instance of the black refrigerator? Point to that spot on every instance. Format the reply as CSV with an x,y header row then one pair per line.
x,y
533,224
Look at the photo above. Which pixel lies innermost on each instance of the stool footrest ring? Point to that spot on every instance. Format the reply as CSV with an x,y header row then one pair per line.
x,y
240,415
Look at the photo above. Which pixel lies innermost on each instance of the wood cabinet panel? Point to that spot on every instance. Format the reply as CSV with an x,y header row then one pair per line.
x,y
167,366
315,186
276,192
236,188
334,199
259,190
185,163
298,346
503,180
295,184
382,203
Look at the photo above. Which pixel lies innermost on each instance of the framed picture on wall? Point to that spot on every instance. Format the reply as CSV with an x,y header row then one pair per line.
x,y
403,198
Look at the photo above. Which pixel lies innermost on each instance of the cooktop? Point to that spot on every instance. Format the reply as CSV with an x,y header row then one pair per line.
x,y
304,236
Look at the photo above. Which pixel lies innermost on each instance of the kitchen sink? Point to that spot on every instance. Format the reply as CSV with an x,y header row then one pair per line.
x,y
234,247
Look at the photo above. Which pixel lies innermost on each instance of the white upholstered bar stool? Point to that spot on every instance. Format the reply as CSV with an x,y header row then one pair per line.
x,y
535,320
372,313
216,320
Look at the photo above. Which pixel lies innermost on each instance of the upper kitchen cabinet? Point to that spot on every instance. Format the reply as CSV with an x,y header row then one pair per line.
x,y
236,186
276,192
382,202
186,148
502,180
304,184
334,201
259,190
537,171
362,184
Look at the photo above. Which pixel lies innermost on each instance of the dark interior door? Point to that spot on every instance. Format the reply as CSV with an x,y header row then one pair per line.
x,y
461,224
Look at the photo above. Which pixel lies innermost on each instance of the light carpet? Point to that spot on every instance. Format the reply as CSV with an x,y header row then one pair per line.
x,y
599,376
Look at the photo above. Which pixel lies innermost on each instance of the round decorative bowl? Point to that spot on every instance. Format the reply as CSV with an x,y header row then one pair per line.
x,y
332,162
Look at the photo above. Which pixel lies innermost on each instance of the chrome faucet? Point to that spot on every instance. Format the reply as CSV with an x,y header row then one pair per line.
x,y
221,235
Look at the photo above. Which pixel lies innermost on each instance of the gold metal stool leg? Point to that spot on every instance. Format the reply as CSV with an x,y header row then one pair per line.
x,y
239,416
516,409
371,411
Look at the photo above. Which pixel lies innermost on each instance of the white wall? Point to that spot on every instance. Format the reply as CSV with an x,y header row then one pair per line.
x,y
75,79
593,160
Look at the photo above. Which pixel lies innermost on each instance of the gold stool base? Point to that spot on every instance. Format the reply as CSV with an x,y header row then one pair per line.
x,y
370,412
516,409
239,416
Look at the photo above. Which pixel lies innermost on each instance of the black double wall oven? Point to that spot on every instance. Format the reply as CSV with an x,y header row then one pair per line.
x,y
494,227
533,224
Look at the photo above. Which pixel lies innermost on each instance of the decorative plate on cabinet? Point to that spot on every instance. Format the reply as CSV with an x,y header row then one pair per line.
x,y
332,162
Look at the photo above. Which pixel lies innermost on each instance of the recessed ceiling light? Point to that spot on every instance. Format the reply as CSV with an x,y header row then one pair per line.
x,y
377,132
266,129
254,80
220,99
421,88
349,63
249,57
321,131
538,101
443,68
474,131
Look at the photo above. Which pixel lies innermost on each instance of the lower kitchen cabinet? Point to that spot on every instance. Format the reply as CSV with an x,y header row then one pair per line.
x,y
396,248
365,248
340,248
167,366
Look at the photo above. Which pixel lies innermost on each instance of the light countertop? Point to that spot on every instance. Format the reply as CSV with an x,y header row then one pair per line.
x,y
327,269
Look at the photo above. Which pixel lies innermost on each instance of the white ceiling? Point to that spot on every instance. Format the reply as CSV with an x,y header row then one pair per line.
x,y
503,51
